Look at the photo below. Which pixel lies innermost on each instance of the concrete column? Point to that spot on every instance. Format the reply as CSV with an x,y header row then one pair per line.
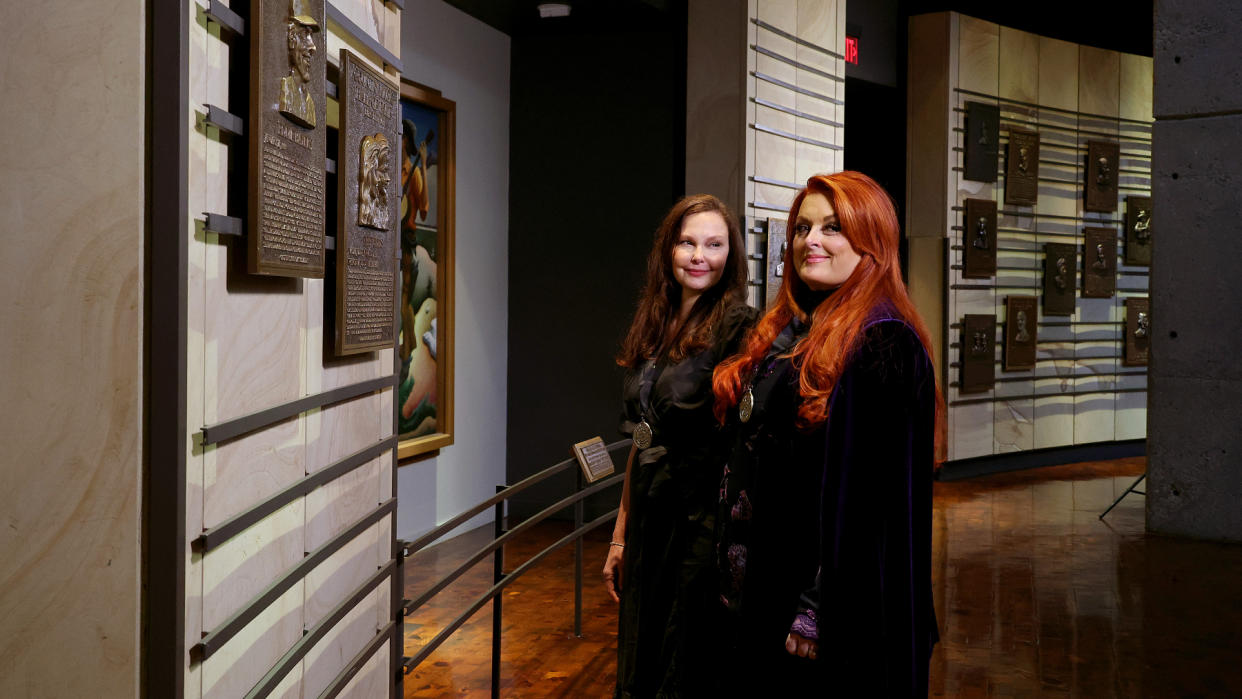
x,y
1195,378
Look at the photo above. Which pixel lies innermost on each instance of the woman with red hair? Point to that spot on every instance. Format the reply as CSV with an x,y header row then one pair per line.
x,y
824,543
660,565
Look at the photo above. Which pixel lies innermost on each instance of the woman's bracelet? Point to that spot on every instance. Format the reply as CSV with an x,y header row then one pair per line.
x,y
616,543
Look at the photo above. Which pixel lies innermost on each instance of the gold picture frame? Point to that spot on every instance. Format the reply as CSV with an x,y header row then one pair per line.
x,y
424,348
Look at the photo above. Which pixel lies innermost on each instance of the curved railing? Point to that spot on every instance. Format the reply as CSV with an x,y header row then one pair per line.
x,y
495,547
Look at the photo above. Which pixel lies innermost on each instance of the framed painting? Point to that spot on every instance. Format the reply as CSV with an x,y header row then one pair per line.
x,y
424,401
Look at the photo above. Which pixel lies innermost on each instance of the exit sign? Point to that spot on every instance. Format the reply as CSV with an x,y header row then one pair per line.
x,y
851,49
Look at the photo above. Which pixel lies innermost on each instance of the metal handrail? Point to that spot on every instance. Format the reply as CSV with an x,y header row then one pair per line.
x,y
496,547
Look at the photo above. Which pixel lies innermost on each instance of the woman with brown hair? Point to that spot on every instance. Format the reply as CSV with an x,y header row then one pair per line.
x,y
660,565
825,518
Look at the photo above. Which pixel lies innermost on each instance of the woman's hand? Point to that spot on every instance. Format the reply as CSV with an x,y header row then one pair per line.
x,y
799,645
612,571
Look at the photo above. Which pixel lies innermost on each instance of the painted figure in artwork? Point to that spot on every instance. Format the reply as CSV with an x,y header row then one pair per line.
x,y
373,180
296,101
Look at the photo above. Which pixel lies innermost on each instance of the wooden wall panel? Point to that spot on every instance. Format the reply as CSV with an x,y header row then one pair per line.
x,y
255,343
797,109
72,277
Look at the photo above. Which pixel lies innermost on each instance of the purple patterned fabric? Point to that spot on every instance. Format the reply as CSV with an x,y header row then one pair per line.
x,y
806,625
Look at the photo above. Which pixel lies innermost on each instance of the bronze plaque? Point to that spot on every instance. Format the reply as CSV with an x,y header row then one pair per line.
x,y
288,138
979,239
1138,331
1101,184
594,459
982,144
368,174
1021,332
775,260
1138,231
1022,167
1099,262
978,353
1060,279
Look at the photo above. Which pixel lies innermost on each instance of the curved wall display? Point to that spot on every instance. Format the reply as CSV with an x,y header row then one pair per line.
x,y
1056,104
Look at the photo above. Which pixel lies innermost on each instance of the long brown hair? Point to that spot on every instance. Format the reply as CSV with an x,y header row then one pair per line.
x,y
869,222
651,332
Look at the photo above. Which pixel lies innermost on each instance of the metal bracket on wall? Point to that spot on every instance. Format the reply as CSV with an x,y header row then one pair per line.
x,y
224,225
224,16
226,122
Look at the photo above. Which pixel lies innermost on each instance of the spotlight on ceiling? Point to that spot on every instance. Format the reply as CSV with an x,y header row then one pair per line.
x,y
553,9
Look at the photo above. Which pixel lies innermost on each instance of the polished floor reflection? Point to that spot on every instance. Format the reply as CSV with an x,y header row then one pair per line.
x,y
1036,596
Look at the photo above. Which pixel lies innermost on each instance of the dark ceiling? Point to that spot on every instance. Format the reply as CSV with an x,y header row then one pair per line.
x,y
521,17
1121,25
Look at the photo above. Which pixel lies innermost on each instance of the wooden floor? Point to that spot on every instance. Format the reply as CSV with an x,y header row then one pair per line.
x,y
1036,597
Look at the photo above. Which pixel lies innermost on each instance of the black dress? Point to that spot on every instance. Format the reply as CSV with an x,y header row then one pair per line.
x,y
669,602
828,531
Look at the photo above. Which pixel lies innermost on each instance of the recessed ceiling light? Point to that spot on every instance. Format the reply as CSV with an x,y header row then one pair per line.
x,y
553,9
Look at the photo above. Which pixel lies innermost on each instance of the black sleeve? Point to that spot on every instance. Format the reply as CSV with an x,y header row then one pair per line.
x,y
736,322
874,592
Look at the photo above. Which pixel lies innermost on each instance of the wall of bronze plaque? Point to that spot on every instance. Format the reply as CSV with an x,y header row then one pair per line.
x,y
775,260
1138,332
368,177
1138,231
1099,262
1021,332
982,144
288,138
1060,279
1022,167
1101,185
979,239
978,353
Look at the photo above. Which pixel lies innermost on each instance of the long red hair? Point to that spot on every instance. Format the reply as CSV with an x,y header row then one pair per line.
x,y
651,332
869,222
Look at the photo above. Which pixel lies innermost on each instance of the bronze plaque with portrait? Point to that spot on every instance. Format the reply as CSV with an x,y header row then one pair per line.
x,y
1022,168
1060,279
978,353
1138,332
982,142
368,177
979,239
288,138
1138,231
1021,332
775,260
1099,262
1101,184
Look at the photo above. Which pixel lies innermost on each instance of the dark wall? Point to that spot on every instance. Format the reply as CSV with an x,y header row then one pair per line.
x,y
597,158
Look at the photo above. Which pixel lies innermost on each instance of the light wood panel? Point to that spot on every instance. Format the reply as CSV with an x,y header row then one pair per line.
x,y
72,278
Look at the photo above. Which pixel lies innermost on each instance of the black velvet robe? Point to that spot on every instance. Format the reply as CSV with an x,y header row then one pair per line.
x,y
668,596
836,519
